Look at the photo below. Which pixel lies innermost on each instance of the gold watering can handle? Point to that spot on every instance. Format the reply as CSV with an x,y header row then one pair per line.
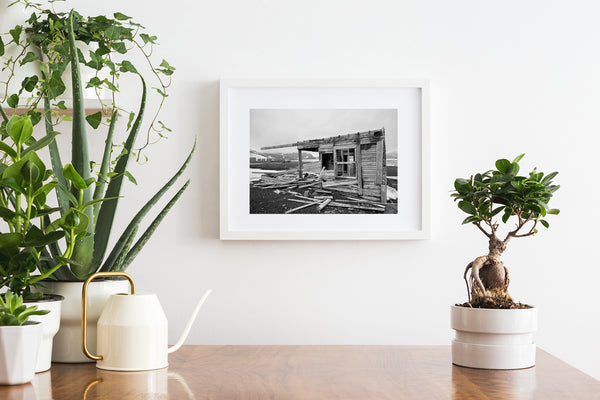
x,y
84,307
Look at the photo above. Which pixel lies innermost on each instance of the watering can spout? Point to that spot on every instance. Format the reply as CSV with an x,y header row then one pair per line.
x,y
189,324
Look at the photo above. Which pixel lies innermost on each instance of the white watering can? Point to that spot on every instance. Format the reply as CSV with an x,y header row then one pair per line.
x,y
132,330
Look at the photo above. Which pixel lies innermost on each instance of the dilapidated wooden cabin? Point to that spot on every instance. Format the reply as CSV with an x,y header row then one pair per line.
x,y
355,160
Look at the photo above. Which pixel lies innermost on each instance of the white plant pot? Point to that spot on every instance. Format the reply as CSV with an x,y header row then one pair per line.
x,y
50,324
493,339
19,347
67,343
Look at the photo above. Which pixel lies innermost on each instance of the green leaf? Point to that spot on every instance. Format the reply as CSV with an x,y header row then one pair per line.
x,y
119,47
8,150
121,17
506,215
467,207
43,142
553,211
1,47
545,223
95,62
16,33
518,158
44,240
130,177
10,240
29,57
20,129
548,178
462,186
94,119
148,39
29,83
503,165
127,66
13,101
472,218
72,175
6,214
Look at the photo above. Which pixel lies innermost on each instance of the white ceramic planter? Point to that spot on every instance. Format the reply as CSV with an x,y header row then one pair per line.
x,y
493,339
19,347
50,324
67,342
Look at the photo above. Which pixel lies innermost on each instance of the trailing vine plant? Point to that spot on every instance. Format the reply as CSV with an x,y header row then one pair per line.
x,y
62,42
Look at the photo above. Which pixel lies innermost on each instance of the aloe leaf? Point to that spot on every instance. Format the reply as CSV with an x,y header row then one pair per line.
x,y
148,233
121,258
79,151
57,165
142,213
100,186
106,215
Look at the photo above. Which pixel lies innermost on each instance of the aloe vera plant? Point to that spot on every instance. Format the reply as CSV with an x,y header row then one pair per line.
x,y
51,39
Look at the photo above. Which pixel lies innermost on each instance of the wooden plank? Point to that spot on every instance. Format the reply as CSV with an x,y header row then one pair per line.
x,y
324,204
309,185
300,163
359,178
280,146
302,201
344,190
336,204
327,185
300,208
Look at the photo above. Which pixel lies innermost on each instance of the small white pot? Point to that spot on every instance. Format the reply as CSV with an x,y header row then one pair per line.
x,y
67,342
50,324
493,339
19,347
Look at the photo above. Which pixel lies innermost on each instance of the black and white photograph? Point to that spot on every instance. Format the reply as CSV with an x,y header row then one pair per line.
x,y
323,161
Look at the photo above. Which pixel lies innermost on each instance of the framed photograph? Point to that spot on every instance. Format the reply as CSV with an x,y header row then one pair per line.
x,y
317,160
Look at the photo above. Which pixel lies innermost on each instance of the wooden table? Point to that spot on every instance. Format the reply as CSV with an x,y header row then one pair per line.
x,y
311,372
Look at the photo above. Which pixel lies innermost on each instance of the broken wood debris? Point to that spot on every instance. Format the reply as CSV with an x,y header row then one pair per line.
x,y
313,190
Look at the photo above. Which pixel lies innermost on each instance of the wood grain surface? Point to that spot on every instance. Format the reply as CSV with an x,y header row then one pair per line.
x,y
311,372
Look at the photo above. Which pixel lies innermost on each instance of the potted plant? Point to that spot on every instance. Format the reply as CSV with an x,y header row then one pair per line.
x,y
32,225
64,44
492,330
19,340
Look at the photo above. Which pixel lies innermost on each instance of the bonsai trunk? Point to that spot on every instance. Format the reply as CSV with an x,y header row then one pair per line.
x,y
488,277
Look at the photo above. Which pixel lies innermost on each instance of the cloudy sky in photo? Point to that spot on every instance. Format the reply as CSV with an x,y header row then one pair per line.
x,y
270,127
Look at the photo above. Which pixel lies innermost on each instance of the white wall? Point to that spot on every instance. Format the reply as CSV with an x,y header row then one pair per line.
x,y
506,78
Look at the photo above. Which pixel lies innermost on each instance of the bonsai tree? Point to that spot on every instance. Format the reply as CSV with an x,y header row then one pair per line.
x,y
25,183
54,40
501,196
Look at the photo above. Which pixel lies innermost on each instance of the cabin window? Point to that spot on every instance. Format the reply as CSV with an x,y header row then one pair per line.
x,y
345,162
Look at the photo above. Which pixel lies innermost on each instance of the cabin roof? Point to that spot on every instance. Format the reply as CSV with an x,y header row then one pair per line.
x,y
313,144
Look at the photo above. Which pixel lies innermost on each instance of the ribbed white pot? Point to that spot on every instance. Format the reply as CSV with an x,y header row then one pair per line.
x,y
493,339
67,342
50,324
18,353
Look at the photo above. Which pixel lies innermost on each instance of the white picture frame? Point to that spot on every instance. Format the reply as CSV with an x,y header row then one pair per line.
x,y
411,100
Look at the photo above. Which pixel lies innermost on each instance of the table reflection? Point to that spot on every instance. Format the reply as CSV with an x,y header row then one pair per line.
x,y
512,384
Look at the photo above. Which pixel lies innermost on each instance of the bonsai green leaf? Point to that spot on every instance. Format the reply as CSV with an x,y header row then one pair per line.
x,y
43,142
462,186
503,165
94,119
545,223
548,178
13,101
472,218
72,175
553,211
467,207
506,215
496,211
